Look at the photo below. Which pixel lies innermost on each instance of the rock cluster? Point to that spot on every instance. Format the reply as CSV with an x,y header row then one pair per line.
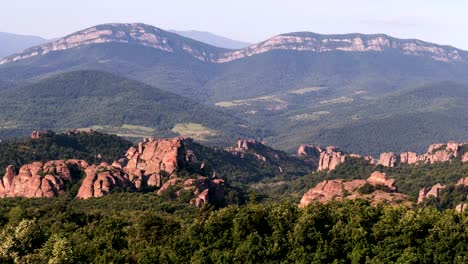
x,y
153,163
435,153
330,157
38,179
328,190
327,158
37,134
250,146
101,180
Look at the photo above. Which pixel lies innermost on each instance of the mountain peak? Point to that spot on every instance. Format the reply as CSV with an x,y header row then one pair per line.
x,y
129,33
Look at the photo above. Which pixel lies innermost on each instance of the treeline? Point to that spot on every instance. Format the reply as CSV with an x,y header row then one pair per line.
x,y
144,228
93,147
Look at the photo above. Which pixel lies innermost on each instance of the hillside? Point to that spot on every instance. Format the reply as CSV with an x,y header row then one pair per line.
x,y
105,102
212,39
325,87
13,43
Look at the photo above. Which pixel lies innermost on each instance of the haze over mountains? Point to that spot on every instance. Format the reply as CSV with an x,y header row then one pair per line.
x,y
384,93
212,39
13,43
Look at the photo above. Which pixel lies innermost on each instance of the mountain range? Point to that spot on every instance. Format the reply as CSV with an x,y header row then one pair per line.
x,y
379,91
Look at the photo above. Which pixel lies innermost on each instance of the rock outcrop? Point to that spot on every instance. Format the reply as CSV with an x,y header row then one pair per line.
x,y
330,158
409,157
37,134
101,180
38,179
431,191
462,182
328,190
388,159
461,207
154,160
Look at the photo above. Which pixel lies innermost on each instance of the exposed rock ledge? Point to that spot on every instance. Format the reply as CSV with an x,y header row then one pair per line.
x,y
328,190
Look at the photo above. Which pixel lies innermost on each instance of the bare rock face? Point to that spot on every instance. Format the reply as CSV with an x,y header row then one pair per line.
x,y
331,158
461,207
409,157
145,164
432,191
328,190
309,150
101,180
388,159
38,179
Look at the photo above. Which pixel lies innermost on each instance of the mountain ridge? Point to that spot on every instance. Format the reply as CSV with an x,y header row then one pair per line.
x,y
150,36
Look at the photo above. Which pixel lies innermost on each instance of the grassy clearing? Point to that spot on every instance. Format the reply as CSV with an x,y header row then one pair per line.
x,y
194,130
307,90
339,100
268,98
126,130
310,117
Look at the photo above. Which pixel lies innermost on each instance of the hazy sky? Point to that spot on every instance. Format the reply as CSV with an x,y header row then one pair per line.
x,y
440,21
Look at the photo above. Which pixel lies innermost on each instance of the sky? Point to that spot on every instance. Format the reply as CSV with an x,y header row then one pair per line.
x,y
440,21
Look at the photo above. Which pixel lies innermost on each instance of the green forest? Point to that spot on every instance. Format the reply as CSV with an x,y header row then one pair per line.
x,y
145,228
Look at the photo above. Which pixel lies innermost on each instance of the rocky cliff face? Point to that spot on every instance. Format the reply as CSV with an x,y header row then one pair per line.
x,y
149,36
328,190
136,34
154,160
38,179
306,41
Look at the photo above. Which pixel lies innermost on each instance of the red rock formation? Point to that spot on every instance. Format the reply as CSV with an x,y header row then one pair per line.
x,y
101,180
38,179
388,159
379,178
461,207
309,151
409,157
37,134
432,191
338,189
462,182
465,157
145,164
330,158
